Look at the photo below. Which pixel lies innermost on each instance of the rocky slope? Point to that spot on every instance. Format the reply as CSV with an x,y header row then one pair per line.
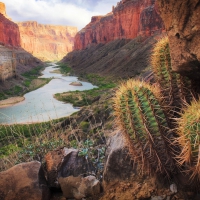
x,y
129,19
118,44
119,58
47,42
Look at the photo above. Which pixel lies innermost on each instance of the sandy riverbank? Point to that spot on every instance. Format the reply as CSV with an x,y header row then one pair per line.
x,y
11,101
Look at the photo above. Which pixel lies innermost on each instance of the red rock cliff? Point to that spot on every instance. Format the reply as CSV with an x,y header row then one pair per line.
x,y
9,34
47,42
129,19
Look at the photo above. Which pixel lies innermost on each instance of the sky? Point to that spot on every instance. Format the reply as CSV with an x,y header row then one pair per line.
x,y
58,12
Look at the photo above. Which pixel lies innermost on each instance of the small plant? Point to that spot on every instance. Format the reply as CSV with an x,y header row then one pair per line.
x,y
189,139
84,125
142,121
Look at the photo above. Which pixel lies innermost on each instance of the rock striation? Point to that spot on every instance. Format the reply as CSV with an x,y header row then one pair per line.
x,y
47,42
129,19
7,63
181,19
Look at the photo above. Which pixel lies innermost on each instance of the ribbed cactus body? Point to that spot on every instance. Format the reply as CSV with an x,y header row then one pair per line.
x,y
142,121
189,138
174,87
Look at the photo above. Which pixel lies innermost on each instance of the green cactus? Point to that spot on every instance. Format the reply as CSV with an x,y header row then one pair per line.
x,y
174,87
189,139
143,123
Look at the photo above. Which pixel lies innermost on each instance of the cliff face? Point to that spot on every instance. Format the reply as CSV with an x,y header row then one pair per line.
x,y
13,59
7,63
129,19
47,42
9,34
181,19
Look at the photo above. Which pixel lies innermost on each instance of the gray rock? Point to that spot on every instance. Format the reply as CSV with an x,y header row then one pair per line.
x,y
79,187
66,162
25,181
173,188
159,197
118,164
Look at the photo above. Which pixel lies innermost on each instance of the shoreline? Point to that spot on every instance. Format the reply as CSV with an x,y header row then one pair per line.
x,y
11,101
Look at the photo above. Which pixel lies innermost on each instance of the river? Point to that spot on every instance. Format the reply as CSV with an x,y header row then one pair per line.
x,y
39,105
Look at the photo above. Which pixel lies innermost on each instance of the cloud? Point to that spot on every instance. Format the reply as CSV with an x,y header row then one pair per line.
x,y
61,12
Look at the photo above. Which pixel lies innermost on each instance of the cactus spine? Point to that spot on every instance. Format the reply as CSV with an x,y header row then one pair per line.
x,y
142,121
174,87
189,138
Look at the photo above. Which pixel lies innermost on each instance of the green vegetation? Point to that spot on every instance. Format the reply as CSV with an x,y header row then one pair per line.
x,y
142,120
188,131
30,82
87,97
64,68
174,86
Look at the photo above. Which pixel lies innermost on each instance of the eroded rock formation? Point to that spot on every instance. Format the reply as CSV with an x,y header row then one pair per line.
x,y
181,19
13,59
129,19
3,10
47,42
9,34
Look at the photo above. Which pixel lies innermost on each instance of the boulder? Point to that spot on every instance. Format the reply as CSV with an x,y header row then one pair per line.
x,y
79,187
66,162
25,181
181,19
122,179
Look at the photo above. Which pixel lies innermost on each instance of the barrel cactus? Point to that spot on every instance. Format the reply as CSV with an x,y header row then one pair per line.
x,y
189,139
174,87
143,124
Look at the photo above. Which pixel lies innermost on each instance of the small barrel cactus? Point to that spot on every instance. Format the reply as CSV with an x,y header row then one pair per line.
x,y
189,139
142,121
174,87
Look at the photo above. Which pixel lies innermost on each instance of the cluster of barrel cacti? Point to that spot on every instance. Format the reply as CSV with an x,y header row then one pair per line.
x,y
160,141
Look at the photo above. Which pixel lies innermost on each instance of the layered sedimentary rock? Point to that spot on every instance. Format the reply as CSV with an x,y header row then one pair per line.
x,y
9,34
7,63
181,19
47,42
129,19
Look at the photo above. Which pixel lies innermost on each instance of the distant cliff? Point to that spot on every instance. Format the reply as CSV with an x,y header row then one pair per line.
x,y
47,42
129,19
13,59
9,34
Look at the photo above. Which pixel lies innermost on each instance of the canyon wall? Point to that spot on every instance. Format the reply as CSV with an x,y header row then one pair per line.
x,y
129,19
7,63
47,42
181,19
9,34
13,59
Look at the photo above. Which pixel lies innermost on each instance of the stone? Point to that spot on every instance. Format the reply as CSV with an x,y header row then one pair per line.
x,y
173,188
66,162
24,181
181,19
128,20
47,42
79,187
159,197
76,84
